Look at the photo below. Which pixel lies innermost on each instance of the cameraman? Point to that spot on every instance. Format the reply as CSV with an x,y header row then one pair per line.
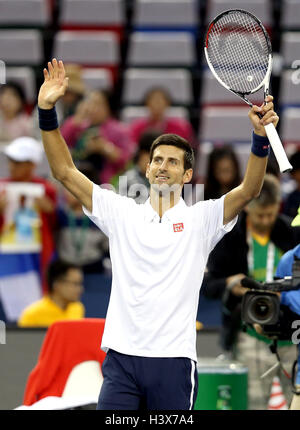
x,y
291,299
253,248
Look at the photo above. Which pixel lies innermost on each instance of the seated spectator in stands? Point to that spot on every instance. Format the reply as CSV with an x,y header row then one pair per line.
x,y
158,100
291,204
223,172
78,240
95,136
136,174
22,186
14,121
65,282
253,248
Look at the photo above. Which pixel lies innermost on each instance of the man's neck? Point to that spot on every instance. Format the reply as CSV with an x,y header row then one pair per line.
x,y
59,301
161,203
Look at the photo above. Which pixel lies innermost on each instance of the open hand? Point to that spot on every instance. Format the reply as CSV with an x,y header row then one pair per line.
x,y
54,86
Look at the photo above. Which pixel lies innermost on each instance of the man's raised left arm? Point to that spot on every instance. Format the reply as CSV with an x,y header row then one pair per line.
x,y
251,185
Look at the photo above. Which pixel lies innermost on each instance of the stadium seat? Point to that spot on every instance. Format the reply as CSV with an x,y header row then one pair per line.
x,y
214,93
29,13
68,344
161,48
97,78
25,77
225,124
87,47
290,129
290,87
92,13
138,81
260,8
165,14
19,47
290,47
290,14
130,113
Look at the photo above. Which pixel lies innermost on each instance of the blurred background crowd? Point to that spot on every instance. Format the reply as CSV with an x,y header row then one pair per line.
x,y
136,70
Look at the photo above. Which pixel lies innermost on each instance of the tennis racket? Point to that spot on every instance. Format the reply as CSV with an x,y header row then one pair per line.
x,y
239,53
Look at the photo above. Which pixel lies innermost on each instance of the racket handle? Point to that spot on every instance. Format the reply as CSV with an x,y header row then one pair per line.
x,y
275,142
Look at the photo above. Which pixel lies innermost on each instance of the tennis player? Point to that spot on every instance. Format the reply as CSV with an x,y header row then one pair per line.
x,y
159,251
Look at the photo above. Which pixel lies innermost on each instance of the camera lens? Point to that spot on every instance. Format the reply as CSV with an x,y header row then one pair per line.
x,y
261,309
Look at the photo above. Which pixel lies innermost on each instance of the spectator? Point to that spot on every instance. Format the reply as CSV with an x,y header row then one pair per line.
x,y
14,121
292,200
65,282
223,172
79,241
158,100
23,155
95,136
136,175
253,248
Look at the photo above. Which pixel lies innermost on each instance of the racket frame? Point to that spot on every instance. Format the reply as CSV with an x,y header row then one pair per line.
x,y
272,134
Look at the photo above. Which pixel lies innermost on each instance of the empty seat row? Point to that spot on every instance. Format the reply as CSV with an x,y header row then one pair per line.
x,y
103,48
231,124
25,12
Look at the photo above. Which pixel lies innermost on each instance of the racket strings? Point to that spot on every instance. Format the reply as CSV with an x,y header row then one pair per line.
x,y
238,51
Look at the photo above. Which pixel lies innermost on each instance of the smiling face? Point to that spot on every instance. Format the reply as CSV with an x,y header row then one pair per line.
x,y
167,167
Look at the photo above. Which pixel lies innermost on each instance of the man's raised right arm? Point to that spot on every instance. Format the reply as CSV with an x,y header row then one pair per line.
x,y
57,152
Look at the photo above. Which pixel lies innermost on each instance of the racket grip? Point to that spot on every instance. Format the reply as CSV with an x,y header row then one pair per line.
x,y
275,142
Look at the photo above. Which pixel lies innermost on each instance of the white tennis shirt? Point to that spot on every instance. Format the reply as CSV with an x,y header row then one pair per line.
x,y
157,271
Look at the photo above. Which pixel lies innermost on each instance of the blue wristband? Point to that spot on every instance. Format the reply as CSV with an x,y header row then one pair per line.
x,y
48,119
260,145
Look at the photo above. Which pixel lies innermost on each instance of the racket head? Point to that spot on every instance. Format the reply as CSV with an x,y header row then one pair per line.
x,y
238,51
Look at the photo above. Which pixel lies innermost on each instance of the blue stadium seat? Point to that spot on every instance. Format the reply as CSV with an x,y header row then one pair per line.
x,y
163,15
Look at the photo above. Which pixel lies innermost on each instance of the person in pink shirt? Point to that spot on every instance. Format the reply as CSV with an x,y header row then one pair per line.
x,y
94,136
14,121
158,100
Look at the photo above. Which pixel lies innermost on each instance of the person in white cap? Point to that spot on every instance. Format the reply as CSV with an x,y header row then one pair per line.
x,y
23,155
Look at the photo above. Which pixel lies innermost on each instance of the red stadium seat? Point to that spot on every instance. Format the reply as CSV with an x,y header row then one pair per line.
x,y
67,344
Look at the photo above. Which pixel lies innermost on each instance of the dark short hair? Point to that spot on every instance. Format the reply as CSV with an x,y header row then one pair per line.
x,y
179,142
270,193
17,89
295,160
145,141
212,185
57,269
